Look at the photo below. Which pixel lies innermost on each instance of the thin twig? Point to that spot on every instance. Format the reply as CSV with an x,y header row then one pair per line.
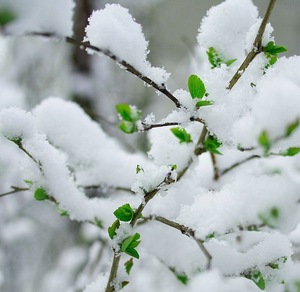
x,y
128,67
149,127
238,164
15,190
186,231
215,166
257,47
199,149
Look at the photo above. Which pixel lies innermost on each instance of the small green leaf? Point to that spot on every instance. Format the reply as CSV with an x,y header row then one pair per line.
x,y
112,229
128,127
138,169
212,144
28,182
124,283
128,266
273,49
132,252
16,140
40,194
203,103
264,141
213,57
183,278
6,16
274,212
124,111
292,127
257,278
124,213
292,151
196,87
230,62
182,135
62,212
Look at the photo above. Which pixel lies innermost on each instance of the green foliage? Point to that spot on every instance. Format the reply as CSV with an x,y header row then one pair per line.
x,y
270,217
6,16
196,87
62,212
28,182
128,266
124,213
40,194
257,277
16,140
212,144
182,135
138,169
130,243
112,229
292,151
124,283
129,115
292,127
271,51
183,278
203,103
216,60
264,141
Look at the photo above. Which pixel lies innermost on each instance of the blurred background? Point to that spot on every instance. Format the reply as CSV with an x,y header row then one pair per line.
x,y
39,250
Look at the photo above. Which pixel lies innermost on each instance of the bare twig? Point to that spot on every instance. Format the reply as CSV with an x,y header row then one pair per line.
x,y
149,127
14,190
128,67
199,149
257,47
113,273
215,166
186,231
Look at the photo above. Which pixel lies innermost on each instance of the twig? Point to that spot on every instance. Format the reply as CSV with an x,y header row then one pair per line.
x,y
15,190
128,67
113,273
149,127
186,231
257,47
199,149
238,164
215,166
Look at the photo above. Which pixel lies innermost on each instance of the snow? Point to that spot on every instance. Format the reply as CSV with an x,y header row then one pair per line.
x,y
47,16
114,29
225,30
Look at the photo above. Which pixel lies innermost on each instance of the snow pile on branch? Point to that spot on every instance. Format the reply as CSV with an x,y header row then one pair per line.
x,y
114,29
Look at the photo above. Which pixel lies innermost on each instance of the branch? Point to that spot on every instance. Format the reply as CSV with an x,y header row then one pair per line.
x,y
257,47
186,231
113,273
215,166
15,190
149,127
128,67
238,164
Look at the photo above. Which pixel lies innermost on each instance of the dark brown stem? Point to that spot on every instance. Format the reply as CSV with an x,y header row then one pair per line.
x,y
257,47
15,190
215,166
149,127
199,149
186,231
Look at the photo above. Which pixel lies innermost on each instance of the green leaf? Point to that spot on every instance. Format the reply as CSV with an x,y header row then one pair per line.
x,y
196,87
128,266
132,252
62,212
182,135
124,111
124,213
212,144
292,151
213,57
264,141
16,140
183,278
124,283
40,194
292,127
230,62
138,169
257,278
6,16
128,127
273,49
130,243
112,229
203,103
28,182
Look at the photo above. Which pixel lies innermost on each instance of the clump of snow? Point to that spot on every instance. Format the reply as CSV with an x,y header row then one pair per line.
x,y
17,123
226,26
98,285
114,29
